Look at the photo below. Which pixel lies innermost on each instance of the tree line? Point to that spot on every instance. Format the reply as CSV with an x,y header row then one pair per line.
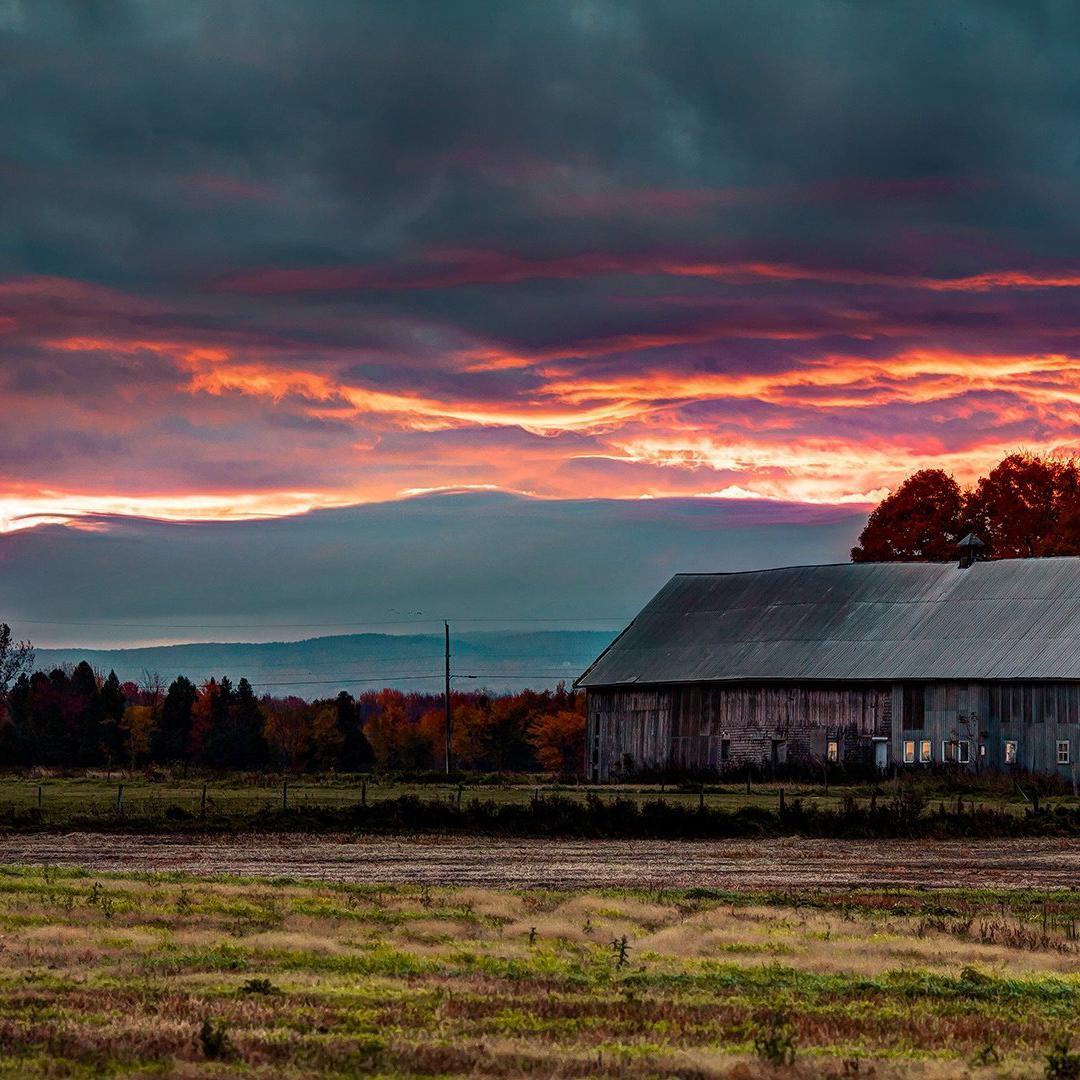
x,y
1028,505
79,718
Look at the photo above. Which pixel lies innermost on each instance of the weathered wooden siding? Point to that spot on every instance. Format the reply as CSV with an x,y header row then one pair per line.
x,y
692,727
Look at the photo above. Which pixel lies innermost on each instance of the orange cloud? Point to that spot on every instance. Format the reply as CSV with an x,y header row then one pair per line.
x,y
617,419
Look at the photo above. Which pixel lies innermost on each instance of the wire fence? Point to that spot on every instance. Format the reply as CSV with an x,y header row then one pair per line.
x,y
56,801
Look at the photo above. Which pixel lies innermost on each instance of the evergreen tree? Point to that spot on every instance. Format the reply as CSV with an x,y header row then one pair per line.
x,y
85,715
234,739
171,739
48,731
247,725
356,754
14,748
111,697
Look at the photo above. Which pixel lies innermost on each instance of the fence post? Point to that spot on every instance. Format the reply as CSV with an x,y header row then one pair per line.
x,y
39,799
701,800
781,807
460,788
202,804
284,794
119,798
363,793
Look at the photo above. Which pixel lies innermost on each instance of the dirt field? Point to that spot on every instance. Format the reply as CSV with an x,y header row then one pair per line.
x,y
729,864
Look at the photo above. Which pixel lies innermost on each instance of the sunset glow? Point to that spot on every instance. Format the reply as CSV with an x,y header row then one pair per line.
x,y
658,278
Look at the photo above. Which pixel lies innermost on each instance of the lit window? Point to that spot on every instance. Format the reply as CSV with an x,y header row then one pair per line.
x,y
834,750
1063,751
909,752
926,750
963,751
1010,751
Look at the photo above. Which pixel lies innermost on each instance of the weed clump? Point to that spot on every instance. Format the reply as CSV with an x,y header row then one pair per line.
x,y
775,1041
214,1041
986,1055
1062,1063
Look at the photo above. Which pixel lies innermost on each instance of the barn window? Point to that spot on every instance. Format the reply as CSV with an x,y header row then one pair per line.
x,y
1063,751
926,750
725,749
956,751
909,752
1010,751
833,750
914,706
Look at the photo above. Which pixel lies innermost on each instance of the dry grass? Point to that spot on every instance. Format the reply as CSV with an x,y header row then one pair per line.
x,y
117,976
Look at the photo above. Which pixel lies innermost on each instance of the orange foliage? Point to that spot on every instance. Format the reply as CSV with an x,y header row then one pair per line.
x,y
407,731
559,739
1026,506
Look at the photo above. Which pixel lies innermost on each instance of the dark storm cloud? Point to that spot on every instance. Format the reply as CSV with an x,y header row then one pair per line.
x,y
153,140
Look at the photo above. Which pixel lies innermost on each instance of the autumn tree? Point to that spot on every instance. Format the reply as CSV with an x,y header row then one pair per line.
x,y
288,732
206,714
559,741
1016,509
138,727
921,521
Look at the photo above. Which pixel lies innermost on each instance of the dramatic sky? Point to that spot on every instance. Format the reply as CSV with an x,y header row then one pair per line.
x,y
262,257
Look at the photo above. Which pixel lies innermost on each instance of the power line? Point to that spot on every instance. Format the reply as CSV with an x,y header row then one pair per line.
x,y
344,663
346,682
412,678
314,626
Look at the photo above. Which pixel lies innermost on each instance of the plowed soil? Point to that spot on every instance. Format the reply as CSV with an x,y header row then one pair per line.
x,y
728,864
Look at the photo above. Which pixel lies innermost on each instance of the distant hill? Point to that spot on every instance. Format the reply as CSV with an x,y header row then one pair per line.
x,y
320,667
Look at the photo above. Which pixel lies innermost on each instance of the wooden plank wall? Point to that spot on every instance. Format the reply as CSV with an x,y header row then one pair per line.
x,y
686,726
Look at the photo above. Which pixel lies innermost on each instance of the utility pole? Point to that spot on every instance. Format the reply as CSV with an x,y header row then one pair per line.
x,y
446,628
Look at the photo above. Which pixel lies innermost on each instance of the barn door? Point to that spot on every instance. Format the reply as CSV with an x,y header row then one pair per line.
x,y
881,755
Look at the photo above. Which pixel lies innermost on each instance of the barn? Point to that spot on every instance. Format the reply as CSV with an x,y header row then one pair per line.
x,y
974,663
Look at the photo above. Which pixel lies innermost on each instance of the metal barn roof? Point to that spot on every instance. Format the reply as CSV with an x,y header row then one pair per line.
x,y
1008,619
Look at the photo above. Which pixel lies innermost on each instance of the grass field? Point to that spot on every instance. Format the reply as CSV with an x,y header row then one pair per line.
x,y
172,976
63,799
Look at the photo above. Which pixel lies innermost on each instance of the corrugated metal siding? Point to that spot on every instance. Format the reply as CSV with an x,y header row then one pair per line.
x,y
1010,619
1036,716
